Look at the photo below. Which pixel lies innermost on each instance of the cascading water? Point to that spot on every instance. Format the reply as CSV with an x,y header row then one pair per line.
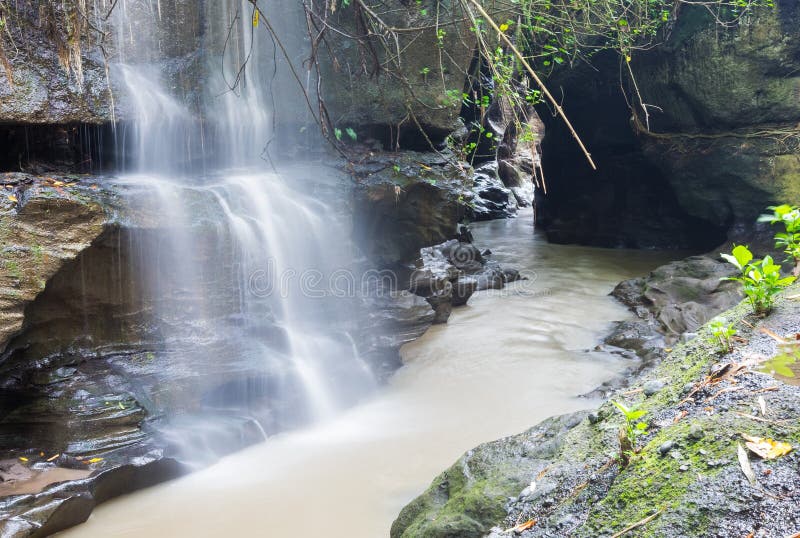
x,y
243,255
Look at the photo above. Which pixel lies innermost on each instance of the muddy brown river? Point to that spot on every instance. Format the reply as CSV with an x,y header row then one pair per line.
x,y
503,363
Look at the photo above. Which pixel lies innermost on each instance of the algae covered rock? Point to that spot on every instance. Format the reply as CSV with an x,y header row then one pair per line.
x,y
470,497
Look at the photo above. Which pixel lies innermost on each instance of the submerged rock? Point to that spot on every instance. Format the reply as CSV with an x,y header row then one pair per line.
x,y
451,272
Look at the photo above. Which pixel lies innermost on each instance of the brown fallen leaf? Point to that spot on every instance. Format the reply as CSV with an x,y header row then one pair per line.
x,y
523,526
52,458
767,449
744,462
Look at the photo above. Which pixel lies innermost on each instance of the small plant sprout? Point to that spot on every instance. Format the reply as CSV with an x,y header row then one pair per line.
x,y
722,334
633,429
789,240
761,280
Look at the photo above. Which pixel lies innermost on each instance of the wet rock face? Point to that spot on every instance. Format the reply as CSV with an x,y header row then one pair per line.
x,y
682,295
403,202
56,69
672,302
48,80
45,228
358,92
719,150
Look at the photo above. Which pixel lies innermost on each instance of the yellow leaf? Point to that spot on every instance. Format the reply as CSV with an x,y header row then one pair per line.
x,y
767,449
23,458
58,183
51,458
255,18
503,27
95,460
627,58
523,526
13,198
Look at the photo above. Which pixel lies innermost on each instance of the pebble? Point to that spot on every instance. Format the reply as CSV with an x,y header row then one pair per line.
x,y
594,417
683,467
666,447
696,432
652,387
688,387
688,337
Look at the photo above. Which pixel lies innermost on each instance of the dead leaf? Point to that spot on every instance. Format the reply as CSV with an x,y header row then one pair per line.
x,y
523,526
774,336
23,459
53,458
744,462
13,198
762,404
767,449
680,415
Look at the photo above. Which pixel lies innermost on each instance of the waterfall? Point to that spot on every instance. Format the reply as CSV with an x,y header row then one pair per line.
x,y
241,256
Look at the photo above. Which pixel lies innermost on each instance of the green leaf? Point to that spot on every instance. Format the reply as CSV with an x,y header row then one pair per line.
x,y
621,407
639,413
742,255
732,260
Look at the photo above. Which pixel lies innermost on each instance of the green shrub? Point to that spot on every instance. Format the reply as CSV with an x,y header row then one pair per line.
x,y
761,280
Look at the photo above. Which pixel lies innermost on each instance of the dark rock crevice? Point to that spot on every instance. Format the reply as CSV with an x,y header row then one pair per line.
x,y
721,144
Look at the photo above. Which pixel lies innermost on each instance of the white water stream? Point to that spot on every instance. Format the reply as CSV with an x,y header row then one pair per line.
x,y
503,363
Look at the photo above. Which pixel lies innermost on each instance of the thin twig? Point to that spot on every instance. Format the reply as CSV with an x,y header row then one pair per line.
x,y
545,91
638,524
